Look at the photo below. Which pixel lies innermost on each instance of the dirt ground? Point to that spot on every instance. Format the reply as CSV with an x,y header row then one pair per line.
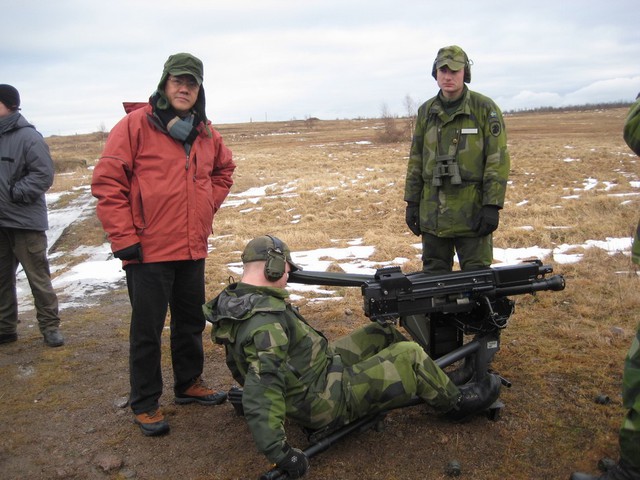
x,y
64,412
75,423
64,416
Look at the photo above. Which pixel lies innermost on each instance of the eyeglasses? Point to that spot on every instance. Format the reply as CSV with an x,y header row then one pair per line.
x,y
185,81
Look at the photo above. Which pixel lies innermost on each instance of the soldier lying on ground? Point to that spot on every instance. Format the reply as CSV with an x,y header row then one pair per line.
x,y
290,370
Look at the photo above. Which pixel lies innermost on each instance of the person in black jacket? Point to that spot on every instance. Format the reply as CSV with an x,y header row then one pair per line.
x,y
26,173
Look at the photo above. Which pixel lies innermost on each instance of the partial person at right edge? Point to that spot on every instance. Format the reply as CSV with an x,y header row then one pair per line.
x,y
26,173
628,467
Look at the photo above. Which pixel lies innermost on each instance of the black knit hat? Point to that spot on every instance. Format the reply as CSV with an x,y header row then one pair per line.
x,y
9,96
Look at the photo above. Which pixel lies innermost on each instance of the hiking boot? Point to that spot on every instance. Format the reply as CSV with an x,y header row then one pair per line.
x,y
152,423
476,397
200,393
620,471
8,337
53,338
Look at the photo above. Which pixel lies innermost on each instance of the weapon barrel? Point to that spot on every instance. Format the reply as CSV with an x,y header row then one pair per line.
x,y
555,283
329,278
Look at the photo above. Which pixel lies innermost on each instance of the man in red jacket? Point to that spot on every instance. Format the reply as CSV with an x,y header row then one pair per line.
x,y
163,174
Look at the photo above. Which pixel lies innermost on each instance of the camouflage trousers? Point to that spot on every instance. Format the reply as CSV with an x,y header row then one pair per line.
x,y
382,370
630,430
438,252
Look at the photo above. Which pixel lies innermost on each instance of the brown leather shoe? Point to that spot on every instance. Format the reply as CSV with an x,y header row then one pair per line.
x,y
200,393
152,423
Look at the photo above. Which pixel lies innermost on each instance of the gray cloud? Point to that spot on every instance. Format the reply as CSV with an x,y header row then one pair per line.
x,y
75,62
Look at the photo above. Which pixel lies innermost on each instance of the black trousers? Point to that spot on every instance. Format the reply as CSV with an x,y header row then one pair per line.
x,y
152,288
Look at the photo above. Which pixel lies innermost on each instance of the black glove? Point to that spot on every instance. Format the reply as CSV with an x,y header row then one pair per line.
x,y
487,220
134,252
295,463
412,217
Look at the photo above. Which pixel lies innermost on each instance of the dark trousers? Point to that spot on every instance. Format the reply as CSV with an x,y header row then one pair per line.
x,y
473,253
152,288
29,249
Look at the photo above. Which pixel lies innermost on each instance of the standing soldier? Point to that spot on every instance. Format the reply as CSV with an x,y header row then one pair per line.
x,y
628,468
458,169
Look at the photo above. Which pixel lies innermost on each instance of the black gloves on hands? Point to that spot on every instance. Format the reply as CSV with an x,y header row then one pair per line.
x,y
412,217
134,252
295,463
487,221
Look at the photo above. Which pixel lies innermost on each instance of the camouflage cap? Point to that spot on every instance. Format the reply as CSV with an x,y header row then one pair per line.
x,y
453,57
259,249
182,64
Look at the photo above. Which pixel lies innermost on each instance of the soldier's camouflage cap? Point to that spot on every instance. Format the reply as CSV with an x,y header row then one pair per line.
x,y
260,248
453,57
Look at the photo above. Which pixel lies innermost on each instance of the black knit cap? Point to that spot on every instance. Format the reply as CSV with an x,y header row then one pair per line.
x,y
9,96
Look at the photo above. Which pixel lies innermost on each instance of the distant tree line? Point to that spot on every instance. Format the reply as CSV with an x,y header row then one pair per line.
x,y
572,108
397,128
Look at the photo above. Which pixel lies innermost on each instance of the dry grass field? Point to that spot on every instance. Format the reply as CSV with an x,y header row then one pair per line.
x,y
327,183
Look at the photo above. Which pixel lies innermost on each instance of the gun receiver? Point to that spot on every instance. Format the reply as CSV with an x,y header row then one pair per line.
x,y
389,293
393,294
438,310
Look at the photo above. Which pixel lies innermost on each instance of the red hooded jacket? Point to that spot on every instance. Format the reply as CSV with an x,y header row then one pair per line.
x,y
149,191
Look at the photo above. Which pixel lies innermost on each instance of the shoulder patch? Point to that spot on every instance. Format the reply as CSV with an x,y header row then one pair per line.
x,y
495,127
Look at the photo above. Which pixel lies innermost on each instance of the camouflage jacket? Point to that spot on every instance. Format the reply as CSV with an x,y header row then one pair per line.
x,y
279,359
635,247
631,134
474,137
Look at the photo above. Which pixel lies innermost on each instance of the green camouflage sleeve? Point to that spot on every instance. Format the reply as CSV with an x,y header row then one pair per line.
x,y
498,163
631,132
635,247
263,398
414,182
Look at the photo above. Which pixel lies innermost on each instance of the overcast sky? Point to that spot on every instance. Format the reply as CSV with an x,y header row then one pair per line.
x,y
75,61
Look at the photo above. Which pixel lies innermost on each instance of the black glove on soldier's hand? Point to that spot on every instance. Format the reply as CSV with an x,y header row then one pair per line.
x,y
134,252
412,217
487,220
295,463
